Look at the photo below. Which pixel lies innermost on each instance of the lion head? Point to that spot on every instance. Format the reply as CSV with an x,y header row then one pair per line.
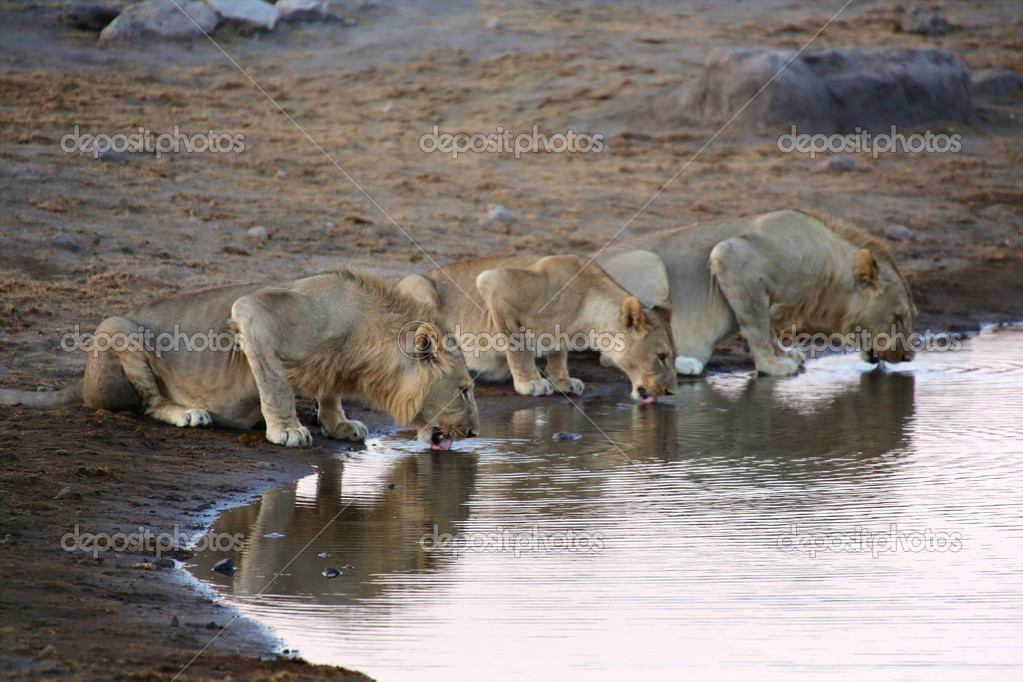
x,y
647,355
441,405
884,311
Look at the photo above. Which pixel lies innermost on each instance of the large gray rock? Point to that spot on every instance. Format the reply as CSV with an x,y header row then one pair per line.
x,y
828,91
162,19
998,84
253,15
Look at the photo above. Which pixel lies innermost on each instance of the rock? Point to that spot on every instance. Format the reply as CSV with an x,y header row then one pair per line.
x,y
68,493
330,573
301,10
62,240
324,555
174,622
925,22
162,19
843,163
898,233
250,15
257,233
88,17
826,91
998,84
500,214
165,562
565,435
494,24
225,566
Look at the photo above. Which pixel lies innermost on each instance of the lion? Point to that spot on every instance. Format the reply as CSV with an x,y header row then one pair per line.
x,y
788,270
510,310
325,337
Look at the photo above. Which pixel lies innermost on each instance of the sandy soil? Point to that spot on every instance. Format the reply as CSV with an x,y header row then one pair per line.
x,y
332,117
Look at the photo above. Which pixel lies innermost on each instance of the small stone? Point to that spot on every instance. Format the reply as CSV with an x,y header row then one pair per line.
x,y
174,621
998,84
347,567
62,240
924,22
280,174
252,15
842,163
389,108
324,555
258,233
225,566
565,435
157,18
898,233
68,493
500,214
165,562
494,24
330,573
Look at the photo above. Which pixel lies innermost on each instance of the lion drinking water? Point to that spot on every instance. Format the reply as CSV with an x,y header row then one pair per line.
x,y
323,337
785,270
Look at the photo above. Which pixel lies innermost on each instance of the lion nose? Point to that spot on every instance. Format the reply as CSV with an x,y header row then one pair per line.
x,y
472,434
642,392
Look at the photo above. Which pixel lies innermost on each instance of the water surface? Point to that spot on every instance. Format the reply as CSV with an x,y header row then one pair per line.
x,y
841,524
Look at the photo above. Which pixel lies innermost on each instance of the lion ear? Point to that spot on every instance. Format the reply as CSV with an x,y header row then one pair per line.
x,y
426,343
632,315
866,269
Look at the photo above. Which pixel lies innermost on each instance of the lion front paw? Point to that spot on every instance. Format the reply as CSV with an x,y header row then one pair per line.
x,y
570,385
346,430
535,387
684,365
196,417
290,438
779,366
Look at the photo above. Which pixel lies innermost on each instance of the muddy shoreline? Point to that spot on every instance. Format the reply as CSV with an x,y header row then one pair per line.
x,y
83,237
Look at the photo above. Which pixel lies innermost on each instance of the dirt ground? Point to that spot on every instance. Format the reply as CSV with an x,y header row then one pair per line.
x,y
331,116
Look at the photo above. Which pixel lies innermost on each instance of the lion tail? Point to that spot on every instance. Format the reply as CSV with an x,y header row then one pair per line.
x,y
46,400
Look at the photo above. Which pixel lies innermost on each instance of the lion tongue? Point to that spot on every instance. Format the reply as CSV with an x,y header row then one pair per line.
x,y
649,399
444,444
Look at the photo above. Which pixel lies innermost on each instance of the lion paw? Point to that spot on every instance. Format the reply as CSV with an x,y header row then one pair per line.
x,y
346,430
196,417
684,365
535,387
570,385
290,438
779,366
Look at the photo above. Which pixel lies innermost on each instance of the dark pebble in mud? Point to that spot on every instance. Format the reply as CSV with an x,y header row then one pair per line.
x,y
225,566
392,486
329,573
324,555
565,435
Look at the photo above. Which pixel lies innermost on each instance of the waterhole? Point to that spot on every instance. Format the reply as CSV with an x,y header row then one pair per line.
x,y
846,523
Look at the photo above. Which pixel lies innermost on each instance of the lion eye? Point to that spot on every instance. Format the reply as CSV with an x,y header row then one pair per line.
x,y
465,392
663,357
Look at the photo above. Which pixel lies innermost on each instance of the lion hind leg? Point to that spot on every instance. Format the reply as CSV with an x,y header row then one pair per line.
x,y
253,320
730,261
119,376
334,422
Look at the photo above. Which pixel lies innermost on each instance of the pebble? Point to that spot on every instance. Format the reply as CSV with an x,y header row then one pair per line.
x,y
389,108
68,493
165,562
258,233
500,214
225,566
329,573
494,24
324,555
62,240
925,22
565,435
899,233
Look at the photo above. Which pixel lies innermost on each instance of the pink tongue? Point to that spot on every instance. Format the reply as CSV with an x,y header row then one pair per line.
x,y
445,444
649,399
